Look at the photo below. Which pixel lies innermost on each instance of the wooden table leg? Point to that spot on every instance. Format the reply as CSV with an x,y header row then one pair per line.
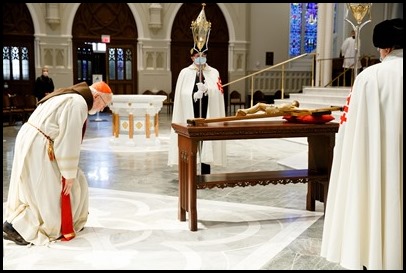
x,y
187,181
192,188
321,149
310,201
182,186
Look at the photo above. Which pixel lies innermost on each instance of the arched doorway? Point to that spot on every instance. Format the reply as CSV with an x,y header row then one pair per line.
x,y
118,64
182,41
18,49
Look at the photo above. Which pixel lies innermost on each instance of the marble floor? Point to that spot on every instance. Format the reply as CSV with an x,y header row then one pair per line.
x,y
133,211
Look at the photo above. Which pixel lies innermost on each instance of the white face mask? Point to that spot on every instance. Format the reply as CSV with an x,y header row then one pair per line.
x,y
45,74
200,60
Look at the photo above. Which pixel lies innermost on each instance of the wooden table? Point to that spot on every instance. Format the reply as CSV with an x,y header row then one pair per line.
x,y
321,141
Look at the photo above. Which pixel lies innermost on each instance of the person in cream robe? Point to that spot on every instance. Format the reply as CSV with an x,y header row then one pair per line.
x,y
48,194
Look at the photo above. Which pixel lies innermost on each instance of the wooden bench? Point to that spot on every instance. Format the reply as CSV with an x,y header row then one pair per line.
x,y
321,141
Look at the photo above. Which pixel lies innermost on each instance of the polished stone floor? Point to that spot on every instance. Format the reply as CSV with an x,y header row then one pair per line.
x,y
133,210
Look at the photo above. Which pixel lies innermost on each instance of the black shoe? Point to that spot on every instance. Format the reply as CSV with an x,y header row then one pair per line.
x,y
205,168
9,233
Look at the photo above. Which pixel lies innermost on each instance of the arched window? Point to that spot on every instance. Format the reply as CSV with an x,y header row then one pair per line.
x,y
303,28
16,63
18,49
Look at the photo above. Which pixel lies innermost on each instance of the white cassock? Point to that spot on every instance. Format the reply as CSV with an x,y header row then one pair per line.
x,y
363,223
348,51
213,152
34,199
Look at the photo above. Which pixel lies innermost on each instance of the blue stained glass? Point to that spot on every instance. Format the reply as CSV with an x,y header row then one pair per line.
x,y
303,28
295,29
120,64
310,37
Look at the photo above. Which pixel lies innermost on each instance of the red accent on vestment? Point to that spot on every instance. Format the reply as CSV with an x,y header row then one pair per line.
x,y
67,230
220,85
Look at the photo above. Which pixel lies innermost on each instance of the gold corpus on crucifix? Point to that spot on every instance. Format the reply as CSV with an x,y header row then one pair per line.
x,y
266,111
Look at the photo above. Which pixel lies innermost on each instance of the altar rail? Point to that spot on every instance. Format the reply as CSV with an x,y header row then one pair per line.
x,y
271,81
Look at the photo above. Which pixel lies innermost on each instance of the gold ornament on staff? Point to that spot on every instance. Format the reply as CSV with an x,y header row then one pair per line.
x,y
201,31
358,10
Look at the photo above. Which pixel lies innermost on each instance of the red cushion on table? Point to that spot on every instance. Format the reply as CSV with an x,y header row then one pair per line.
x,y
314,119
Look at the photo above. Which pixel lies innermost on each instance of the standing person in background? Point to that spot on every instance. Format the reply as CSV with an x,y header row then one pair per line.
x,y
348,52
48,194
363,225
43,84
188,93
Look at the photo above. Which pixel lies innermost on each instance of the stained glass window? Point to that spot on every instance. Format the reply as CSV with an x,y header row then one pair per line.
x,y
112,63
303,28
15,63
295,35
128,64
120,63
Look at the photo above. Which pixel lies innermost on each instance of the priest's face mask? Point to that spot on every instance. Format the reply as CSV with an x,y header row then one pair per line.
x,y
197,60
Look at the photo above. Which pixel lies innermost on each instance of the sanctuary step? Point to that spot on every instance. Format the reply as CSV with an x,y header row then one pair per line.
x,y
319,97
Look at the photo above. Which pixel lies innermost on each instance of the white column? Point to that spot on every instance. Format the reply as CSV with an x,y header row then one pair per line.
x,y
324,49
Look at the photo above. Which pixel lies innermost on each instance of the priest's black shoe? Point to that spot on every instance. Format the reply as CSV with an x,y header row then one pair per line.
x,y
9,233
205,168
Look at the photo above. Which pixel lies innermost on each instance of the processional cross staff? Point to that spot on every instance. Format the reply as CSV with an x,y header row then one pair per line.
x,y
201,31
358,10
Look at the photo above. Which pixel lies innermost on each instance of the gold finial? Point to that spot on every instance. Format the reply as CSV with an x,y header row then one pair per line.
x,y
200,30
359,10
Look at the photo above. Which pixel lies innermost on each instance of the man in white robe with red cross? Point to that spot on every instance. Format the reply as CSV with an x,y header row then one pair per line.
x,y
363,225
188,93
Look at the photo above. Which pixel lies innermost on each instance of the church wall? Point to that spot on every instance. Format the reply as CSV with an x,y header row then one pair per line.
x,y
254,29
